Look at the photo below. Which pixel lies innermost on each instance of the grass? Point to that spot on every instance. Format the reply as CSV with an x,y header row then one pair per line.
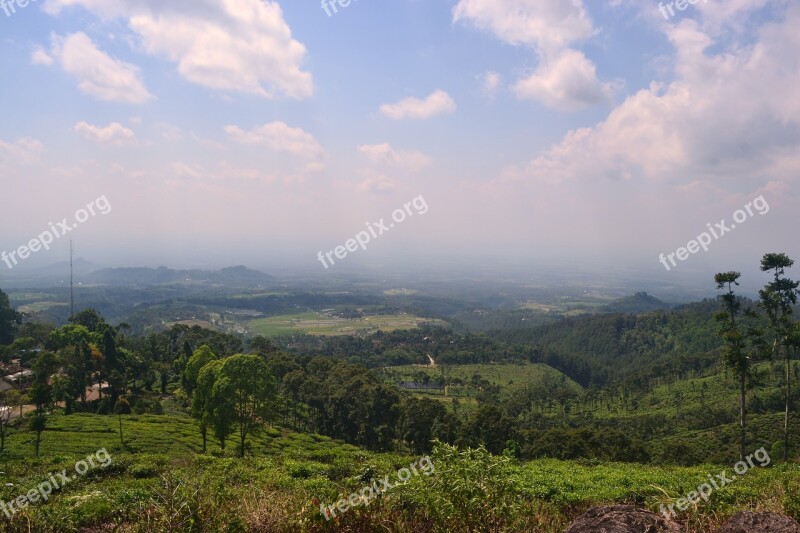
x,y
38,307
159,481
508,376
312,323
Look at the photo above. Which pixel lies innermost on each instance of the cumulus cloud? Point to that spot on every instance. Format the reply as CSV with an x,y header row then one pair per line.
x,y
40,57
280,137
565,78
438,103
115,133
385,154
730,115
567,81
25,150
98,74
544,24
237,45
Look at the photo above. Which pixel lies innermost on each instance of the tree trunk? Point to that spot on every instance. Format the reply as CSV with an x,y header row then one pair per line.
x,y
786,412
742,414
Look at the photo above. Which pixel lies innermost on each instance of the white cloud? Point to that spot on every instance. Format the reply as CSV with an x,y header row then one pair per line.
x,y
115,133
25,150
40,57
730,115
715,15
544,24
385,154
280,137
377,184
235,45
98,74
169,132
567,81
437,103
491,83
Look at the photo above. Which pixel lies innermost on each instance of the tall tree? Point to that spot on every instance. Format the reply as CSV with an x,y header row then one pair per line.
x,y
41,393
777,298
741,342
210,411
200,358
9,320
73,343
88,318
247,381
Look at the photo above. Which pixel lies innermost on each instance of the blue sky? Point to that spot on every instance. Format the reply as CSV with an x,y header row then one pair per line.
x,y
229,131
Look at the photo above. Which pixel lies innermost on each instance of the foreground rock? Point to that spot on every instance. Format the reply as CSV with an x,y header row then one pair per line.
x,y
621,519
748,522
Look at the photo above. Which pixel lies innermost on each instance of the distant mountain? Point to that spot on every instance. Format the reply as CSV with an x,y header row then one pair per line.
x,y
641,302
238,276
53,275
81,267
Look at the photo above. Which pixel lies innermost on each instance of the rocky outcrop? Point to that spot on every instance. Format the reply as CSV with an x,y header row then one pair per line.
x,y
748,522
621,519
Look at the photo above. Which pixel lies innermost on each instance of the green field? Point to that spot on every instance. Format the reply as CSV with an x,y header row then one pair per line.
x,y
461,378
312,323
37,307
159,481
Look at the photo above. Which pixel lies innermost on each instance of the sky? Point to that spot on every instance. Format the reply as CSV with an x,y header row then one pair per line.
x,y
221,132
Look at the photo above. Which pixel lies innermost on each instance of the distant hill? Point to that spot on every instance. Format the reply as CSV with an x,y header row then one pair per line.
x,y
641,302
238,276
80,266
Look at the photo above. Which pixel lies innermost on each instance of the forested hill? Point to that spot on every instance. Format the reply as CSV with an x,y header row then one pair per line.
x,y
623,347
594,350
641,302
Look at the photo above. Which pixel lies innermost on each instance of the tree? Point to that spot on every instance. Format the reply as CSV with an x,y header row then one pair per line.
x,y
73,343
210,411
247,381
111,363
491,427
200,358
739,344
262,345
41,393
88,318
777,299
9,320
420,423
122,407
